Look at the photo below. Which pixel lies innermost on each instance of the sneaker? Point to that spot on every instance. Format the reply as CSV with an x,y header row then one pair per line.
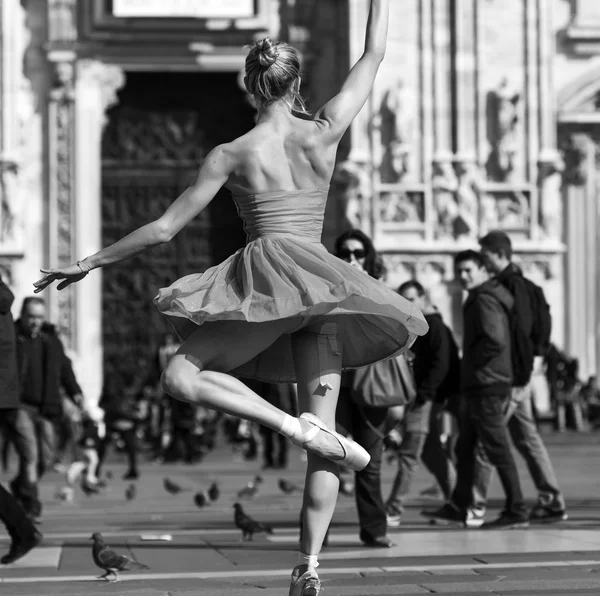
x,y
448,513
507,521
393,518
475,518
546,514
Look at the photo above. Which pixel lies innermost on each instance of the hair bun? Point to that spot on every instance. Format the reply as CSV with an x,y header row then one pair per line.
x,y
267,54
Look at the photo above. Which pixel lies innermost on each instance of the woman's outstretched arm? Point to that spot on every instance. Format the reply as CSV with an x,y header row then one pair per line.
x,y
211,176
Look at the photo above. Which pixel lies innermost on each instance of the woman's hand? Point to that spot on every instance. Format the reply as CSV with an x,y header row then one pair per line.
x,y
69,274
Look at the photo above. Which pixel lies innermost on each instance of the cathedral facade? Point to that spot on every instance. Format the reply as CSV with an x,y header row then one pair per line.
x,y
484,116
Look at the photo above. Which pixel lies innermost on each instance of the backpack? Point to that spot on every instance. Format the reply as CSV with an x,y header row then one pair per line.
x,y
521,350
542,321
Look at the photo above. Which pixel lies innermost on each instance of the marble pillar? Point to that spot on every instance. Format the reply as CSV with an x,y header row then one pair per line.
x,y
95,92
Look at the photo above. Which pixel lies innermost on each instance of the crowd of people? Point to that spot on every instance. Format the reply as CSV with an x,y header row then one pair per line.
x,y
275,334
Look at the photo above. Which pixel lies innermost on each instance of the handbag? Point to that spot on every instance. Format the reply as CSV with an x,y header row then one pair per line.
x,y
385,384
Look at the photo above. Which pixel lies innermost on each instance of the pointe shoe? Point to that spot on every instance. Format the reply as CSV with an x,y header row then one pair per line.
x,y
304,584
354,456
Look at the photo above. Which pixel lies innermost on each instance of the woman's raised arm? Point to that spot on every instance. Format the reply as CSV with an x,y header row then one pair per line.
x,y
340,111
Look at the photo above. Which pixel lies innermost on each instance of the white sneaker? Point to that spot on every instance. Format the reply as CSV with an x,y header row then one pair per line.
x,y
393,520
475,518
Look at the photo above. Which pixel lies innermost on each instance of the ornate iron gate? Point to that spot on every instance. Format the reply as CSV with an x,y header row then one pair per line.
x,y
150,153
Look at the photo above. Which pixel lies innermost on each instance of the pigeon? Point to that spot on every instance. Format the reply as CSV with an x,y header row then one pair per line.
x,y
109,560
251,489
288,487
172,487
214,492
247,525
202,499
130,492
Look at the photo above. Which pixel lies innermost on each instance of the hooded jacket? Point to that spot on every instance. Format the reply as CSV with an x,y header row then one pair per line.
x,y
487,364
57,371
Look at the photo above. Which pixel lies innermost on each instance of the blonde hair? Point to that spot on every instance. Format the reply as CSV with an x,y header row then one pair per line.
x,y
271,71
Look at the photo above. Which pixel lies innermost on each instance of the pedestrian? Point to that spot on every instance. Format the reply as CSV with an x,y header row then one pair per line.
x,y
275,445
281,309
486,379
44,371
436,369
366,424
23,534
533,315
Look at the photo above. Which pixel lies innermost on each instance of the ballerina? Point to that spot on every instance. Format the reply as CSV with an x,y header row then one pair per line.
x,y
282,309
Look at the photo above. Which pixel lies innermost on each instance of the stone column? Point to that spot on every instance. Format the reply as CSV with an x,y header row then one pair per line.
x,y
61,190
95,92
580,196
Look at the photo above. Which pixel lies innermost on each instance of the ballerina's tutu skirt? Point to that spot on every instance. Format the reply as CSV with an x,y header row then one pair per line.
x,y
279,277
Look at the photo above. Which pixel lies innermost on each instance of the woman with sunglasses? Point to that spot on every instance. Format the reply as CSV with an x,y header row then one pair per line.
x,y
365,424
282,309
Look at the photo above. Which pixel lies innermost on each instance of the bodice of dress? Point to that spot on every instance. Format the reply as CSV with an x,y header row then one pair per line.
x,y
298,213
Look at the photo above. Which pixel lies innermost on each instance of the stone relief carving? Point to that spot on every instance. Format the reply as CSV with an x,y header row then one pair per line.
x,y
401,206
444,186
574,151
8,192
502,118
470,187
62,98
62,20
150,137
551,169
397,121
108,77
354,184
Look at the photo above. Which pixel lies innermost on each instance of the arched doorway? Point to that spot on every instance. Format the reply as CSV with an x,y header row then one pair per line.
x,y
156,137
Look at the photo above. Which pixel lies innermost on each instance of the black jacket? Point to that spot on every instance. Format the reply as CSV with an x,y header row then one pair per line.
x,y
432,359
58,371
9,377
487,363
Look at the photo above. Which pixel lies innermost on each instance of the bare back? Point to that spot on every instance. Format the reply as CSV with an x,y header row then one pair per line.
x,y
282,153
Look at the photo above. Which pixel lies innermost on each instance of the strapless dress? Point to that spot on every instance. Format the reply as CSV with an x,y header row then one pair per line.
x,y
284,272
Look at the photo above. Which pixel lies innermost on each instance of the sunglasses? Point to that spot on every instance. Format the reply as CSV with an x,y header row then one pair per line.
x,y
346,253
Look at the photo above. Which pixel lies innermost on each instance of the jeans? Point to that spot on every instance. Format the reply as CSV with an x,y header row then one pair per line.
x,y
25,493
35,443
484,422
420,441
527,440
369,500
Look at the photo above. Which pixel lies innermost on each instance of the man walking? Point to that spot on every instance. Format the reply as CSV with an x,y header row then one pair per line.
x,y
43,369
533,314
486,378
22,532
435,363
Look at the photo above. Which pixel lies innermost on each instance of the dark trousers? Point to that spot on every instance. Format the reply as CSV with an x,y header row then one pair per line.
x,y
366,425
12,515
130,441
483,419
275,448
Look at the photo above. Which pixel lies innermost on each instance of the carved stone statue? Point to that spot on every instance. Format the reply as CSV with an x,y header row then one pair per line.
x,y
551,179
8,172
64,79
444,184
470,186
574,149
502,119
352,178
62,20
397,120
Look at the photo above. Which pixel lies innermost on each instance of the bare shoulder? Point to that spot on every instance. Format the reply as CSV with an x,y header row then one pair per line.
x,y
222,157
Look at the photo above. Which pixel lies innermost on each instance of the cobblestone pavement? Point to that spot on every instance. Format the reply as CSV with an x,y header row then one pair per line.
x,y
205,555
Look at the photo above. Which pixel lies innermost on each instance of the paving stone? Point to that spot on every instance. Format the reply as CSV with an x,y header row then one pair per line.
x,y
501,587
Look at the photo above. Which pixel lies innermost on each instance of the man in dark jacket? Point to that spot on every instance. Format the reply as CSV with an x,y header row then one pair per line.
x,y
486,377
496,247
23,534
431,364
43,369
